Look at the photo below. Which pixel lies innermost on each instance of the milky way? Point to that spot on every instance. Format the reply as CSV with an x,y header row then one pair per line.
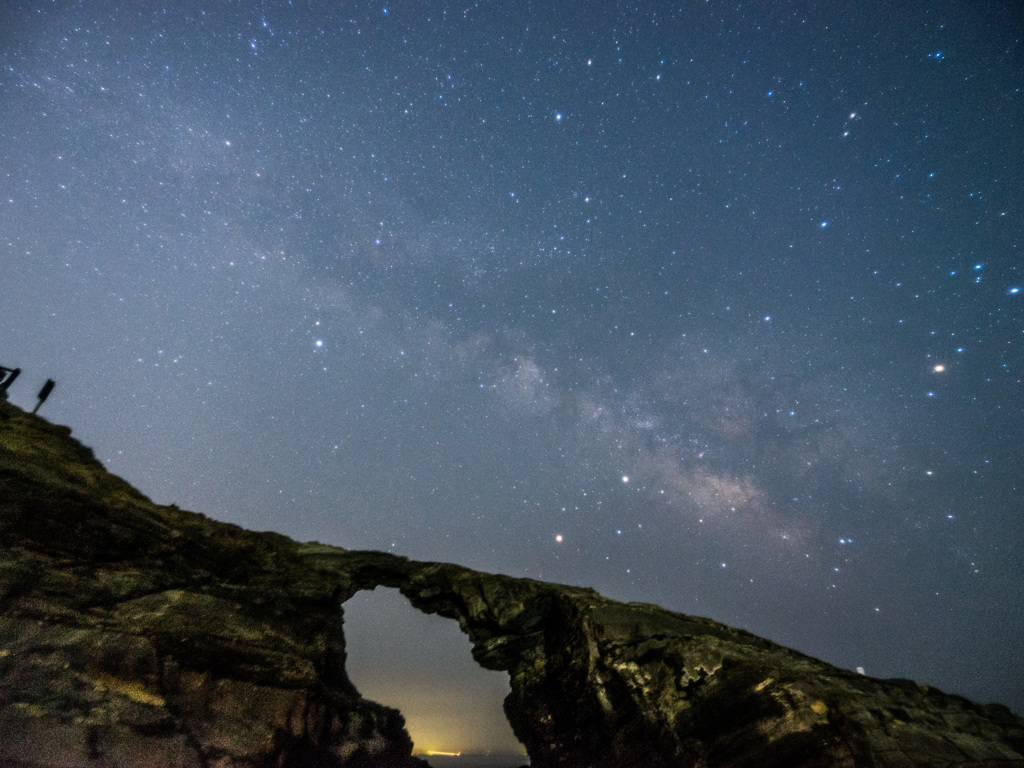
x,y
712,307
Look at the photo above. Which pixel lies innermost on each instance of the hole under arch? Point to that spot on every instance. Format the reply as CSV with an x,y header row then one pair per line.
x,y
422,665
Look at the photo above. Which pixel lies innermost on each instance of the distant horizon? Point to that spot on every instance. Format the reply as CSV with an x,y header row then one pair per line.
x,y
488,754
475,760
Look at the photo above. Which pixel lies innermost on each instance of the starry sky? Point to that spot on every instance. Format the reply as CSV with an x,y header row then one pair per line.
x,y
712,305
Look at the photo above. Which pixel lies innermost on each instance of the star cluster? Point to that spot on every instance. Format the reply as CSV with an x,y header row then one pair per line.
x,y
710,306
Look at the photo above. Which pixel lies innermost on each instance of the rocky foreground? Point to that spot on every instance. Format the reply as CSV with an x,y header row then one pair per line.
x,y
133,634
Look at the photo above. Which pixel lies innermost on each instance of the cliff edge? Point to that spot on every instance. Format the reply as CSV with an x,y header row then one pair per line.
x,y
134,634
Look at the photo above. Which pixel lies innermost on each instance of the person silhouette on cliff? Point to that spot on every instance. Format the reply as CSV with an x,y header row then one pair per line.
x,y
44,393
7,375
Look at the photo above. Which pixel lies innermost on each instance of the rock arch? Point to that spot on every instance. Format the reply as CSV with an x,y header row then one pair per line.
x,y
571,702
599,683
420,664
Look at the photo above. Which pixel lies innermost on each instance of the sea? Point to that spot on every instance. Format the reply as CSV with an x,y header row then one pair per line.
x,y
476,761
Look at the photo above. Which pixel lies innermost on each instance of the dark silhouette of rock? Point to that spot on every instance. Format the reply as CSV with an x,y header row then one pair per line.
x,y
133,634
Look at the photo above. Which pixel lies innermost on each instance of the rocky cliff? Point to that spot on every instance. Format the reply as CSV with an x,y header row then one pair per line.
x,y
133,634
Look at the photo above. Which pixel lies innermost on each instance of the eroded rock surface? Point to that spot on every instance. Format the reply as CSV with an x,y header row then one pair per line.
x,y
138,635
596,683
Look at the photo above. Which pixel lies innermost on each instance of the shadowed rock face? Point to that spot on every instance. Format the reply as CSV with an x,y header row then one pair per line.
x,y
133,634
138,635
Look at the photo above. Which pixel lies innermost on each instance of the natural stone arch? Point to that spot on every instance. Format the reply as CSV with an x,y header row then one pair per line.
x,y
416,658
606,684
543,635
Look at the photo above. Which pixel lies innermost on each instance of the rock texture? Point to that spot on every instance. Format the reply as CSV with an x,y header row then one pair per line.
x,y
601,683
138,635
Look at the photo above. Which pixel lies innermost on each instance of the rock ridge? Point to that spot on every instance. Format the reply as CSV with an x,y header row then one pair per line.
x,y
134,634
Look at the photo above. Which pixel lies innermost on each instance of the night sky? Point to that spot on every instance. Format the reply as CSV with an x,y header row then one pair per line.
x,y
715,307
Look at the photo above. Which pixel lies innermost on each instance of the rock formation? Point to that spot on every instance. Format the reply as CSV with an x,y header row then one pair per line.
x,y
133,634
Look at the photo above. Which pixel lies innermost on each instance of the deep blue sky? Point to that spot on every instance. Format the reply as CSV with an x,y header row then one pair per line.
x,y
725,297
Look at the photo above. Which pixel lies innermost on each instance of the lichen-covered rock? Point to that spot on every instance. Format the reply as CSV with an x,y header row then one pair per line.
x,y
138,635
